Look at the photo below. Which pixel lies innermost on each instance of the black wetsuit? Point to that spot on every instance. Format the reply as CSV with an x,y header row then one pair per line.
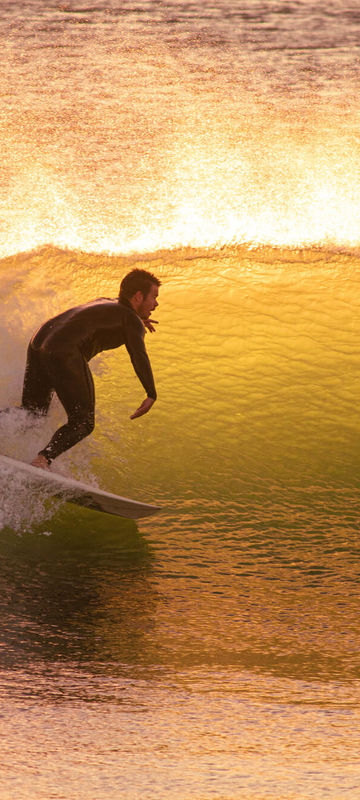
x,y
57,360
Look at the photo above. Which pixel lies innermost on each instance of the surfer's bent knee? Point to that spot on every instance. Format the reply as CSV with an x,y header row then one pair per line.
x,y
83,424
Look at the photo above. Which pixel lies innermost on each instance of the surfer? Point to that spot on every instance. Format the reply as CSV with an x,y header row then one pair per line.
x,y
59,352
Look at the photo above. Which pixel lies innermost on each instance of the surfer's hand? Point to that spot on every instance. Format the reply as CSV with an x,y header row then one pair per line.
x,y
149,324
144,408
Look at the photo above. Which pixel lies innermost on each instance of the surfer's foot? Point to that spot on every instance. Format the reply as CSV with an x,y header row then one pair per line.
x,y
40,461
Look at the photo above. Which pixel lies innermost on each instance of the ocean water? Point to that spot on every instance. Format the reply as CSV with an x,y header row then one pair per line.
x,y
211,651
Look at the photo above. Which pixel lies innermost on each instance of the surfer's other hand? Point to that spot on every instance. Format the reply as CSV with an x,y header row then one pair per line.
x,y
144,408
149,324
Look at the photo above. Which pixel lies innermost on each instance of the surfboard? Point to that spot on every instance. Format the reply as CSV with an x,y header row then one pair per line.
x,y
76,492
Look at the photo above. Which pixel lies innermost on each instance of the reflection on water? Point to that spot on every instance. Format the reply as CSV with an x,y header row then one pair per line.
x,y
217,641
161,739
64,588
266,595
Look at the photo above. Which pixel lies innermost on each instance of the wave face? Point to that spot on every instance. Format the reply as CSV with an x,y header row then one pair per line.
x,y
255,361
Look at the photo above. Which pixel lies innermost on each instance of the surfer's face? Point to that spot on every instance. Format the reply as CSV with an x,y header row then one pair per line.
x,y
149,302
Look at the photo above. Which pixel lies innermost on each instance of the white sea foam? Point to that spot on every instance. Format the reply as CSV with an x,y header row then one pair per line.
x,y
23,504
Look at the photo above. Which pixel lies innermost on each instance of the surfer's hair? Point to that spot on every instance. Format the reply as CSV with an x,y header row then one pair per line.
x,y
138,280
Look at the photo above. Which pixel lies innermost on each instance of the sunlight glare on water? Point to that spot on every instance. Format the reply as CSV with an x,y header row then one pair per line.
x,y
138,144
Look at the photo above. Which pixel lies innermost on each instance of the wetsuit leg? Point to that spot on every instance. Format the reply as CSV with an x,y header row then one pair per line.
x,y
37,388
74,386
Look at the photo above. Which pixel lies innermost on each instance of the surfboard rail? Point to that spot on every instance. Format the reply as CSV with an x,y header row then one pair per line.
x,y
82,494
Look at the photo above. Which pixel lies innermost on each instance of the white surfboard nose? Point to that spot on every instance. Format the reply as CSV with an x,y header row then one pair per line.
x,y
80,493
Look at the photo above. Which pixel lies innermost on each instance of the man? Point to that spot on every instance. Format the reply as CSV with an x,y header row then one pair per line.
x,y
58,355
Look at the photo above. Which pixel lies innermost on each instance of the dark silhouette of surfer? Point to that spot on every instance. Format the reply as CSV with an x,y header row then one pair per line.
x,y
59,352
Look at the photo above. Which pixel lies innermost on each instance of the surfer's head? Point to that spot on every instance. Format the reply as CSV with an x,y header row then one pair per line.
x,y
140,288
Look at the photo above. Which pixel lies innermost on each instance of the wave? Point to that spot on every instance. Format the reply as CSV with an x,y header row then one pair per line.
x,y
255,361
177,166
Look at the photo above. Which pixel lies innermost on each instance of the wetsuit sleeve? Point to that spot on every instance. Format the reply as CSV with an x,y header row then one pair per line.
x,y
134,342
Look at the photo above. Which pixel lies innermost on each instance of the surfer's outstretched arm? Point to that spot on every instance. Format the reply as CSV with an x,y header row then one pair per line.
x,y
144,408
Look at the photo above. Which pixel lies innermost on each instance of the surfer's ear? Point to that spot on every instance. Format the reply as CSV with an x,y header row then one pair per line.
x,y
137,300
138,297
